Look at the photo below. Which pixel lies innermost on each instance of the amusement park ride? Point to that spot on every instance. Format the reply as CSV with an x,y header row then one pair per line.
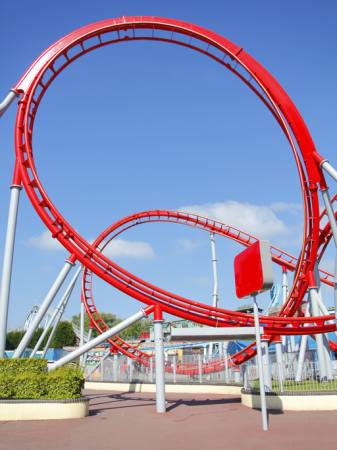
x,y
294,318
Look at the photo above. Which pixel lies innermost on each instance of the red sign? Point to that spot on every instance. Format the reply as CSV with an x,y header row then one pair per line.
x,y
253,270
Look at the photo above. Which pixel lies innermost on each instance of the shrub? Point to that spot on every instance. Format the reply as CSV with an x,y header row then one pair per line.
x,y
29,379
16,366
30,386
65,382
6,386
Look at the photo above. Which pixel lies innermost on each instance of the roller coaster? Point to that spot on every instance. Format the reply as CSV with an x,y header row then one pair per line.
x,y
311,167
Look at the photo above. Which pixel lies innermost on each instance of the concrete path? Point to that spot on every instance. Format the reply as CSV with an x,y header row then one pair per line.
x,y
128,421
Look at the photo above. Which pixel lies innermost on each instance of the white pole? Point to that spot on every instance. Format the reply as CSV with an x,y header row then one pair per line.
x,y
260,368
58,311
333,224
82,317
225,348
329,169
174,368
43,308
266,365
96,366
319,338
279,360
303,348
215,295
98,340
7,264
160,369
10,97
199,368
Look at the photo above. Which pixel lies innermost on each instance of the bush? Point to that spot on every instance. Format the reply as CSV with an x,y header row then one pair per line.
x,y
6,386
17,366
30,386
29,379
65,382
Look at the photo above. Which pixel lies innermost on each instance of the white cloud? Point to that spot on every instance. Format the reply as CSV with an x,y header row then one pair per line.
x,y
261,221
129,249
44,241
116,248
188,244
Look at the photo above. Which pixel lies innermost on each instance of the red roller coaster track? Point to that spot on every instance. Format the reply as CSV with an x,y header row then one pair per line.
x,y
58,56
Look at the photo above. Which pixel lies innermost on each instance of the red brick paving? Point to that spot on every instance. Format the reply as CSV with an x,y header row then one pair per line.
x,y
128,421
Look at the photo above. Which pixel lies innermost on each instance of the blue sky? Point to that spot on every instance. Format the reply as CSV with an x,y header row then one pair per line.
x,y
145,125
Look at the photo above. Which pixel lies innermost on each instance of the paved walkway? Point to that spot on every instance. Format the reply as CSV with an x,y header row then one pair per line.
x,y
128,421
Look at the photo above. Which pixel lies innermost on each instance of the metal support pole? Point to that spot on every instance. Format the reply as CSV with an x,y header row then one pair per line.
x,y
266,365
333,224
151,370
82,317
200,368
319,338
115,363
43,308
160,369
329,169
279,362
284,299
260,369
58,312
215,295
225,347
174,368
105,355
100,339
10,97
7,264
85,356
303,348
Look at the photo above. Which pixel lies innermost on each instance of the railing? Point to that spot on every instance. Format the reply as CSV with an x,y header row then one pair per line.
x,y
124,370
286,380
120,369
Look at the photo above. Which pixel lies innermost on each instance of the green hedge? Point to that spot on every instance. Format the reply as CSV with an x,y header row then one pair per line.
x,y
29,379
17,366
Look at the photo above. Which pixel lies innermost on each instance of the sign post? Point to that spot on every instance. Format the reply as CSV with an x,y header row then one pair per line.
x,y
253,275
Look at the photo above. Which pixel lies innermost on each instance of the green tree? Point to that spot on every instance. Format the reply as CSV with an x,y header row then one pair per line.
x,y
109,319
64,335
13,339
133,331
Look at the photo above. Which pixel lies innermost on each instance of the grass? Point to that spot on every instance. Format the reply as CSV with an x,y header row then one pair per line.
x,y
300,386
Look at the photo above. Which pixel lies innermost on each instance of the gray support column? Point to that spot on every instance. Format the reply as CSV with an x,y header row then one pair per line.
x,y
96,366
151,369
160,369
7,264
329,169
260,367
319,337
10,97
303,348
82,317
57,314
43,309
200,368
225,347
279,362
174,368
215,295
98,340
266,365
115,366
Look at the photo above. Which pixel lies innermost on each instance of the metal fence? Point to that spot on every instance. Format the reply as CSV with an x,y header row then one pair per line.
x,y
191,369
195,369
287,379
